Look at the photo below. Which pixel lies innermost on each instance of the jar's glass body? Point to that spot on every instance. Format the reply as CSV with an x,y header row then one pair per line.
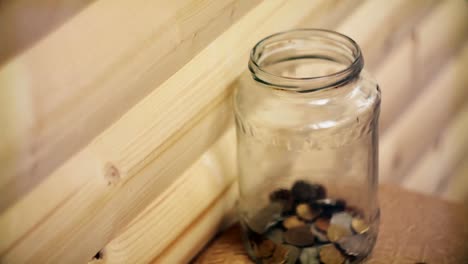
x,y
307,130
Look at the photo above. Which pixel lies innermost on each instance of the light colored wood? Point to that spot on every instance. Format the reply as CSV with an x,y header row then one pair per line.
x,y
174,211
81,77
103,186
24,22
377,25
331,14
407,233
438,164
410,136
456,188
205,227
98,197
409,68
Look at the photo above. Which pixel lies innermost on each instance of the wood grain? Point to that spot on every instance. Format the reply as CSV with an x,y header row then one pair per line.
x,y
379,25
178,207
412,133
23,23
414,228
409,68
437,165
67,88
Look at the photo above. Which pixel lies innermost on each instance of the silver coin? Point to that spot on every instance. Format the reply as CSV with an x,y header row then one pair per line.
x,y
342,219
357,245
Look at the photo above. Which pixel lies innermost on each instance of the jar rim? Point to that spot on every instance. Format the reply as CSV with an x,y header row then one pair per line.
x,y
308,83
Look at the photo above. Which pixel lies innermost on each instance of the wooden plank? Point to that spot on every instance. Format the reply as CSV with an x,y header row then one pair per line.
x,y
172,212
438,164
194,238
97,191
141,247
133,161
409,68
23,22
406,234
409,137
378,25
81,77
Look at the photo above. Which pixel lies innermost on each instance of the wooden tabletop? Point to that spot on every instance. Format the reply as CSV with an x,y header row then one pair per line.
x,y
414,229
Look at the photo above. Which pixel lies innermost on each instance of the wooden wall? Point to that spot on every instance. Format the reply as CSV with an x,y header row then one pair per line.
x,y
117,133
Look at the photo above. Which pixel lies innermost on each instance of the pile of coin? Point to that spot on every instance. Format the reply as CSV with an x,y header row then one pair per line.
x,y
302,225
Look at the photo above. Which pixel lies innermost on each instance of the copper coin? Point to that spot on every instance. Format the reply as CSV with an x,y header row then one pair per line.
x,y
329,254
322,224
359,225
292,222
306,212
299,236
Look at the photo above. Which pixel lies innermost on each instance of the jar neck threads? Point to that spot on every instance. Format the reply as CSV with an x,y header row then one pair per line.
x,y
306,60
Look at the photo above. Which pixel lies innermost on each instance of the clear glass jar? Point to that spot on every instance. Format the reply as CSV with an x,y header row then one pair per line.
x,y
307,130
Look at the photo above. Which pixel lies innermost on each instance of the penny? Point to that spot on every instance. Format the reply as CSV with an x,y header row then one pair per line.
x,y
359,225
336,232
306,212
264,249
322,224
329,254
292,222
299,236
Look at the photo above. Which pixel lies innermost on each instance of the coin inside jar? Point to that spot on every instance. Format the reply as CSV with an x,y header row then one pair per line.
x,y
359,225
322,224
306,212
329,254
299,236
336,232
292,222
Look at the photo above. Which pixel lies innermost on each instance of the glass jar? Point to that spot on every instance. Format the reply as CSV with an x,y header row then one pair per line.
x,y
307,130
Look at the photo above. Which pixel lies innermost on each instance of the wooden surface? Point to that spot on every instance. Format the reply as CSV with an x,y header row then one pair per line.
x,y
414,229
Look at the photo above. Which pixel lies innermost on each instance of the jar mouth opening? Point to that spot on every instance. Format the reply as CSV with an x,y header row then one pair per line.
x,y
306,60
